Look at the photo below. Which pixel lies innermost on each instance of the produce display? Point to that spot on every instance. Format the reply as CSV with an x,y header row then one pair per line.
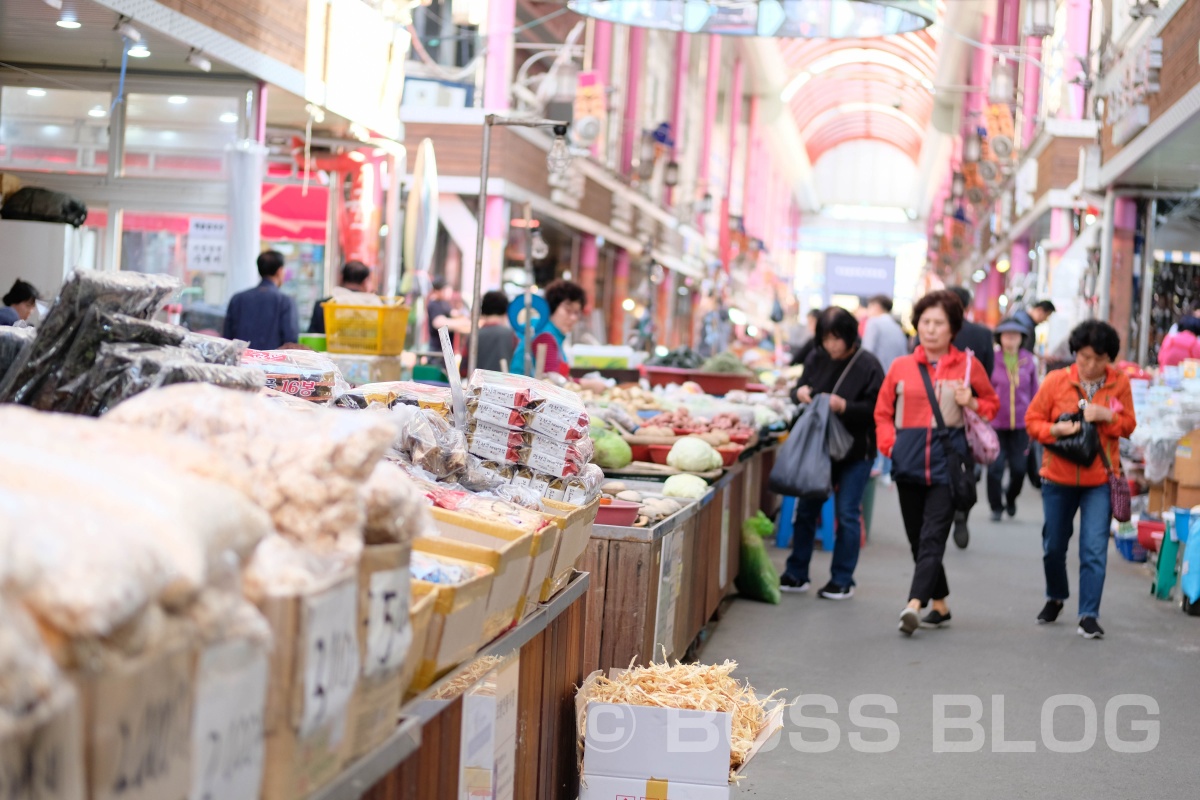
x,y
699,687
612,452
679,358
685,486
653,508
693,454
726,363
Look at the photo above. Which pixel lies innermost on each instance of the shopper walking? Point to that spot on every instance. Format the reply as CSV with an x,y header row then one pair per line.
x,y
977,339
1015,380
851,376
1103,392
1030,318
883,337
264,316
908,426
496,339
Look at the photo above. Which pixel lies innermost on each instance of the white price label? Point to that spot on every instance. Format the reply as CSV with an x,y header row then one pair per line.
x,y
227,726
331,662
389,635
507,680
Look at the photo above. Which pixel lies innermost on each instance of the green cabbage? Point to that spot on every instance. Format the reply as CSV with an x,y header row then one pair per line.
x,y
612,452
687,486
693,454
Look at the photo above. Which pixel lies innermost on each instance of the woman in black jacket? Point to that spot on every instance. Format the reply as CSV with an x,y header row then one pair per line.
x,y
851,377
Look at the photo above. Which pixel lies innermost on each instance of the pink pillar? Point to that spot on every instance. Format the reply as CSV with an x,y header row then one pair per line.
x,y
679,108
1079,20
616,319
1032,92
602,66
497,79
711,86
1019,258
633,88
750,202
735,120
976,101
589,259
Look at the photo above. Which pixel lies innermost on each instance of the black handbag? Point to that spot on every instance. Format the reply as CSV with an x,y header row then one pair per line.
x,y
963,494
1081,447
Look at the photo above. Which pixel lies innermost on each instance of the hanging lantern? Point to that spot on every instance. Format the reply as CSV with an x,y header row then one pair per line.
x,y
646,154
1002,87
671,174
957,185
558,160
1039,17
972,147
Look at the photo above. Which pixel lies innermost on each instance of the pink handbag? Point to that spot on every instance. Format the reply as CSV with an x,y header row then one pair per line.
x,y
981,437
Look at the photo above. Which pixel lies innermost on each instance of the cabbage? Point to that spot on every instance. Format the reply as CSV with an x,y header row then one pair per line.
x,y
693,454
612,452
688,486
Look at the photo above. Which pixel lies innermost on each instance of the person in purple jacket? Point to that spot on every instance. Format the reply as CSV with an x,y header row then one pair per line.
x,y
1015,379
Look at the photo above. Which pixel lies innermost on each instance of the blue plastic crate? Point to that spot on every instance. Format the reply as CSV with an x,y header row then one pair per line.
x,y
1131,550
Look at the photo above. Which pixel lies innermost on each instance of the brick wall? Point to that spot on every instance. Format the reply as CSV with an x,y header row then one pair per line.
x,y
275,28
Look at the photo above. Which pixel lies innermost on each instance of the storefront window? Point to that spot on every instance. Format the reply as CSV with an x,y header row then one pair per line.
x,y
304,267
189,247
179,136
54,130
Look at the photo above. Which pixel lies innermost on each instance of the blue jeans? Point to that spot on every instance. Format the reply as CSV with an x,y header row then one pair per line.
x,y
1059,504
850,482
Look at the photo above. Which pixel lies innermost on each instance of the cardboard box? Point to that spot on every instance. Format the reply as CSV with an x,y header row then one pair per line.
x,y
41,755
385,641
576,524
359,370
314,672
506,549
137,726
228,744
661,753
456,626
545,551
420,616
1187,459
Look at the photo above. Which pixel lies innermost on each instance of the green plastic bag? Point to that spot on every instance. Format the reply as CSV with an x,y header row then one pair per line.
x,y
756,579
761,524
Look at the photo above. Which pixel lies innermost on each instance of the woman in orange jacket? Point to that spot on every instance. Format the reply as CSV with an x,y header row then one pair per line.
x,y
1103,392
906,431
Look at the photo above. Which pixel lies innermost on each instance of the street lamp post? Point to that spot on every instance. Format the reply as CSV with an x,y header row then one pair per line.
x,y
555,162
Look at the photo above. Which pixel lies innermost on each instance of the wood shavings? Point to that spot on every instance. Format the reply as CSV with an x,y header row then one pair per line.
x,y
467,678
701,687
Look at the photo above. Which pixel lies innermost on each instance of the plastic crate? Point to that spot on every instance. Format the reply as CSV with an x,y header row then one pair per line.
x,y
1131,550
714,383
366,330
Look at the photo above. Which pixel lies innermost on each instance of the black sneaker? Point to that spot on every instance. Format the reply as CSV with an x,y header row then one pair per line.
x,y
787,583
997,515
935,619
1050,611
1089,628
832,591
1012,508
909,621
962,536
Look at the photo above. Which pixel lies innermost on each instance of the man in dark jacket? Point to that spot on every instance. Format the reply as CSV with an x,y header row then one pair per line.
x,y
978,339
355,277
264,316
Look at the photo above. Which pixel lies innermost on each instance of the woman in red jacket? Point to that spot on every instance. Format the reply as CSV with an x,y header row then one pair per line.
x,y
1068,488
906,431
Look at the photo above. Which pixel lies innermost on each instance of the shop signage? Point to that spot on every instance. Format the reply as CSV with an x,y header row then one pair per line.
x,y
861,276
1135,80
206,245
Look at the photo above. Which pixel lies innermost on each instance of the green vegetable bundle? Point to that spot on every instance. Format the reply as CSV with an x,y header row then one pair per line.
x,y
726,364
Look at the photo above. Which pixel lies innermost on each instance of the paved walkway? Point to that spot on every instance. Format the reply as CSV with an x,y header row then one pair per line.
x,y
991,648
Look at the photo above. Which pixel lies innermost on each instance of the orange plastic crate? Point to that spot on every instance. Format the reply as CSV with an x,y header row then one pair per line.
x,y
366,330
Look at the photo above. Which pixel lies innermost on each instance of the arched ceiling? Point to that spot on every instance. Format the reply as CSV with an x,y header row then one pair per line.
x,y
862,89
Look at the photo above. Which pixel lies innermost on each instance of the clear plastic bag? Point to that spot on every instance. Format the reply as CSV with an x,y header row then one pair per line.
x,y
300,373
396,509
428,441
28,675
13,341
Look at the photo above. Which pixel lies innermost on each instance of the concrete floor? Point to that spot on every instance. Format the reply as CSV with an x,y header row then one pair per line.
x,y
991,648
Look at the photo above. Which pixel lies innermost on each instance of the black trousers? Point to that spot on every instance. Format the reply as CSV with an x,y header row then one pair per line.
x,y
928,515
1014,454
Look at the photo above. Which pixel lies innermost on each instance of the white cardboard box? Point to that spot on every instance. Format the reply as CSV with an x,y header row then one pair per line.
x,y
603,787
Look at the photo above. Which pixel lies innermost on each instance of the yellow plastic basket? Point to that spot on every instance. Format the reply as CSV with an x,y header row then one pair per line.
x,y
366,330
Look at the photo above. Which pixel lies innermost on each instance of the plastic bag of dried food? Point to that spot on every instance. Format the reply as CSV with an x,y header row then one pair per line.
x,y
12,341
428,441
482,476
280,568
501,416
396,509
37,374
305,468
215,350
28,675
397,393
240,378
486,508
300,373
119,371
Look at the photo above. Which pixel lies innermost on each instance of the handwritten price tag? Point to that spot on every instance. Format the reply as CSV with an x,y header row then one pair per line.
x,y
42,758
227,727
389,636
331,663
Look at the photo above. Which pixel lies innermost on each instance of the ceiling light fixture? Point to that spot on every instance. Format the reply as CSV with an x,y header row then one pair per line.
x,y
125,27
229,117
36,92
139,51
97,112
197,60
68,23
176,99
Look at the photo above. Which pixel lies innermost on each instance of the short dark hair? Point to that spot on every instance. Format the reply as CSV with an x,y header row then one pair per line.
x,y
494,304
1045,305
355,272
963,294
839,322
1098,335
883,301
439,284
21,292
561,291
814,313
269,263
948,301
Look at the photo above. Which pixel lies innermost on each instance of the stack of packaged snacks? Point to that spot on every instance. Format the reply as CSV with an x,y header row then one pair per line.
x,y
532,434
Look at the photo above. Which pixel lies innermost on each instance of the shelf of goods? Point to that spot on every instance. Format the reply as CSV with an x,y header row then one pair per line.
x,y
654,590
